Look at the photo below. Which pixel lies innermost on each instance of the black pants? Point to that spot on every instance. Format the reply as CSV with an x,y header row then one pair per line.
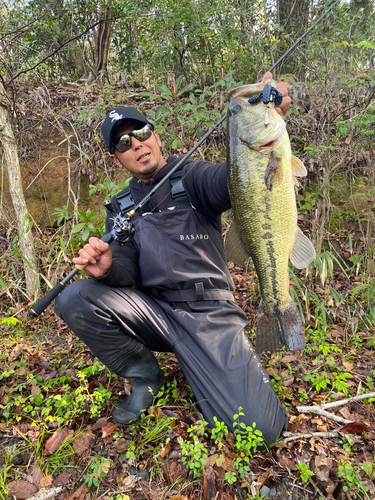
x,y
207,338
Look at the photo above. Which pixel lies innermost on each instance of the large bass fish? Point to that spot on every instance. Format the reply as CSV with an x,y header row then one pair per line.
x,y
261,179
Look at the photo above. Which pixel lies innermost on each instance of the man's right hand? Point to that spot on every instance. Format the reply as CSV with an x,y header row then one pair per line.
x,y
95,258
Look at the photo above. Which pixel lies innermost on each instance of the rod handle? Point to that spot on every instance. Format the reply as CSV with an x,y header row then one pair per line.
x,y
45,301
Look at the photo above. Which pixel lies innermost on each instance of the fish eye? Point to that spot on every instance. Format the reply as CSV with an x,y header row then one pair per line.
x,y
236,109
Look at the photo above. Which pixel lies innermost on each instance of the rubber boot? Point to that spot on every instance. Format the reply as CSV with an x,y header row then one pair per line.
x,y
143,369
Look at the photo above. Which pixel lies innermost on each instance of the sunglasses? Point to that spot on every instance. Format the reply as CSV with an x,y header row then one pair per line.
x,y
124,142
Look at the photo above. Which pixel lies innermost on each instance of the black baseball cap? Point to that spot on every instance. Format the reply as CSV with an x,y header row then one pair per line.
x,y
117,116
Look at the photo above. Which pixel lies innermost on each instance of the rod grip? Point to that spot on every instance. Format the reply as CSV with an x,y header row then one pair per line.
x,y
44,302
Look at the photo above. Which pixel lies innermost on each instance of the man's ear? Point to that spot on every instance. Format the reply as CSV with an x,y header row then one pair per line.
x,y
157,138
116,161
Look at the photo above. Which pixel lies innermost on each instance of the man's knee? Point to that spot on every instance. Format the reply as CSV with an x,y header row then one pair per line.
x,y
69,302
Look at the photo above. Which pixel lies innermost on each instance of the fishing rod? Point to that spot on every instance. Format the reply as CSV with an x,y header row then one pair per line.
x,y
123,229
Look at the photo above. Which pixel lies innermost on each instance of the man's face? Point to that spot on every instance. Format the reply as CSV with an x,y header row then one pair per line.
x,y
144,159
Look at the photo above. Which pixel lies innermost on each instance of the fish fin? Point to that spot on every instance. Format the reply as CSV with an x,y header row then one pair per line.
x,y
233,246
303,252
276,330
273,173
298,168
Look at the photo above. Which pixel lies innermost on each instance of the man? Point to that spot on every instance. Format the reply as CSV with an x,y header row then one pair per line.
x,y
169,288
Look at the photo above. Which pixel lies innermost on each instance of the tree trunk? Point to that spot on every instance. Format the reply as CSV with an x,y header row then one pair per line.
x,y
102,42
12,166
293,17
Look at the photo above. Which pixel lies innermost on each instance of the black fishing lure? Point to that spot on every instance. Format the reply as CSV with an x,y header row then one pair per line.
x,y
269,94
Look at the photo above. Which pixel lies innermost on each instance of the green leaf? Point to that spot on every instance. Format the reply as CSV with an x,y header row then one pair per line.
x,y
78,227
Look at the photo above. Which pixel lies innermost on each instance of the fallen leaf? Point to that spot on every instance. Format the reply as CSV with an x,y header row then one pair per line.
x,y
62,479
262,479
348,366
15,352
79,493
122,444
288,380
108,429
99,423
54,442
129,482
35,391
35,476
82,443
175,470
21,489
46,481
225,496
210,486
355,428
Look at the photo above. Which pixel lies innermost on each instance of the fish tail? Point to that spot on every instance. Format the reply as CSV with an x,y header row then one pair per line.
x,y
277,329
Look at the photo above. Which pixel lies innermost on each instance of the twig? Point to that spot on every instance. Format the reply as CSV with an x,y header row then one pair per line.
x,y
46,493
305,409
301,488
290,436
318,410
316,488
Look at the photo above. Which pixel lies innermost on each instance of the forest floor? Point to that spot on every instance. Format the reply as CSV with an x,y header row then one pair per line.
x,y
57,436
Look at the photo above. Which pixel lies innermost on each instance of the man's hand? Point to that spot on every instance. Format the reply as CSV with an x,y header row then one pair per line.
x,y
283,88
95,258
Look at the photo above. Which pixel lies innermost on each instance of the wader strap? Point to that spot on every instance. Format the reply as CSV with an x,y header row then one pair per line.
x,y
199,293
178,194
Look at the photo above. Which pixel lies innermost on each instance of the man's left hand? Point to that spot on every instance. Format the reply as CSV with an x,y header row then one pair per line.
x,y
283,88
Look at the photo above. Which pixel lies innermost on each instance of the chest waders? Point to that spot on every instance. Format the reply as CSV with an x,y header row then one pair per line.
x,y
188,309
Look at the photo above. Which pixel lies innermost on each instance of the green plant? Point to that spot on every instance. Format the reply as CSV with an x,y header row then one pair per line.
x,y
99,467
4,469
219,431
58,461
87,227
194,455
350,475
305,472
109,187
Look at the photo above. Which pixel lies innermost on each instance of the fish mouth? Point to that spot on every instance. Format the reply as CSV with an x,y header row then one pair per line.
x,y
269,144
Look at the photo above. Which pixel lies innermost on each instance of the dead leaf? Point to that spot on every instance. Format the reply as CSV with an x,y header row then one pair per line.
x,y
82,443
79,493
35,391
129,482
62,479
21,489
15,352
355,428
166,448
262,479
179,497
288,380
210,486
99,423
54,442
122,445
175,470
225,496
46,481
348,366
108,429
35,476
